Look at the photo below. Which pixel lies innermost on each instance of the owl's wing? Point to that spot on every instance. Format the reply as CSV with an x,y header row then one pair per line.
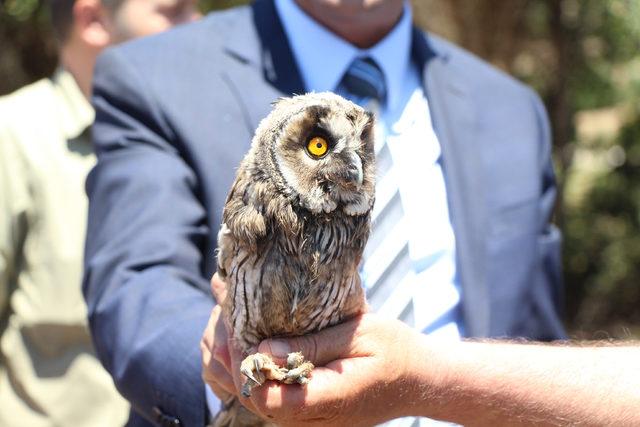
x,y
239,269
241,216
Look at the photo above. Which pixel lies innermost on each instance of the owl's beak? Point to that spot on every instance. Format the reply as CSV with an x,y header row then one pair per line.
x,y
354,170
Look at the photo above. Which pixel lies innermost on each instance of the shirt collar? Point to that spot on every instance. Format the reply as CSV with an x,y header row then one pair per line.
x,y
77,114
323,57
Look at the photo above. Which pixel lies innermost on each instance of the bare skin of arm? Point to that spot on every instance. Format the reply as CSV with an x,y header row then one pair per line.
x,y
490,383
372,369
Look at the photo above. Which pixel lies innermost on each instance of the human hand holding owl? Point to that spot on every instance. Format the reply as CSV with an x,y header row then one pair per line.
x,y
368,371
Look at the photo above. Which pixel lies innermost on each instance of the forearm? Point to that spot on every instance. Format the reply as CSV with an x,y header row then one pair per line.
x,y
476,383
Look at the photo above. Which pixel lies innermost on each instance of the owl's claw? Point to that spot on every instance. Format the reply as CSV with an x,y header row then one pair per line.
x,y
259,367
299,374
294,360
247,373
298,370
251,367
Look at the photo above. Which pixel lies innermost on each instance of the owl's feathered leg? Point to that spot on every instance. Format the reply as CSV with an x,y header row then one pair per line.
x,y
259,367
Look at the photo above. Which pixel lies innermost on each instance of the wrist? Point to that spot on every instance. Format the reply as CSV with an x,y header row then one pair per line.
x,y
429,378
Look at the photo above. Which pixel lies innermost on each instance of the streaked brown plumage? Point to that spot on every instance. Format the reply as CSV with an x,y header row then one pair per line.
x,y
296,223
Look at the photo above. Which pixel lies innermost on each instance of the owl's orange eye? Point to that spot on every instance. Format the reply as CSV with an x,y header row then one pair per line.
x,y
317,146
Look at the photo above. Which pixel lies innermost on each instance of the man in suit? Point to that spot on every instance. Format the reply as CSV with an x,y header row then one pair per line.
x,y
473,255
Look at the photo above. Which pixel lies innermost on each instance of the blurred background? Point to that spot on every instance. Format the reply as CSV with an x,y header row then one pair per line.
x,y
582,56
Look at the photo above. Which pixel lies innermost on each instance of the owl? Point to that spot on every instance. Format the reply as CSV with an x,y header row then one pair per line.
x,y
295,225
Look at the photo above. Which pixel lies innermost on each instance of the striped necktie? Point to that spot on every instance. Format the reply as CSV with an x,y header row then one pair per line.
x,y
363,82
386,256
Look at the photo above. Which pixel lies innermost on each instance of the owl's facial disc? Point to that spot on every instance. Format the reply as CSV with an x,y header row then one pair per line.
x,y
324,154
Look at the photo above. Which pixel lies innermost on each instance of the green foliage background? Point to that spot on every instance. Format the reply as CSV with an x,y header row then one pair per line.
x,y
581,56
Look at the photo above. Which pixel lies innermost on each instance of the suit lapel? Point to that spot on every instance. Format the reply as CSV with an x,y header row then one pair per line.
x,y
455,124
262,53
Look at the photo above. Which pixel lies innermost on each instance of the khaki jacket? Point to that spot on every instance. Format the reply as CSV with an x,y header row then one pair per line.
x,y
49,375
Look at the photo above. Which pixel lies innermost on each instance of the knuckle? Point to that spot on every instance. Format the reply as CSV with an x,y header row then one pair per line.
x,y
309,348
220,351
204,348
208,376
205,339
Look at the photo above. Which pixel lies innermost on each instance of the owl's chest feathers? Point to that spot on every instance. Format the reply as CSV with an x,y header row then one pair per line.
x,y
299,277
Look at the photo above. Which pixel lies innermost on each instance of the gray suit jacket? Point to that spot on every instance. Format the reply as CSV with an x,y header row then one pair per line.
x,y
175,114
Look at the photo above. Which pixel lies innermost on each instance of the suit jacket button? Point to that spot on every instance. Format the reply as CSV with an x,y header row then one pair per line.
x,y
165,420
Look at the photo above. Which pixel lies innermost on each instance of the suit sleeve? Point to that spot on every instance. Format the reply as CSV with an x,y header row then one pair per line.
x,y
548,287
147,298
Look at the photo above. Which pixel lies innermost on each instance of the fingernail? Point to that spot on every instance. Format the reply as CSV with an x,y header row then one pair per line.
x,y
279,348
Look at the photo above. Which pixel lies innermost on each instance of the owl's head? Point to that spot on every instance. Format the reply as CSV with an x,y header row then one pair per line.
x,y
320,148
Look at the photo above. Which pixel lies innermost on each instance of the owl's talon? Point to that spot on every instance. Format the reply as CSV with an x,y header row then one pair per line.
x,y
246,389
258,368
258,363
294,360
247,373
299,374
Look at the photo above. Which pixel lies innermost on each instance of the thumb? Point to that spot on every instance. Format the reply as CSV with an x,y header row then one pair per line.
x,y
218,288
320,348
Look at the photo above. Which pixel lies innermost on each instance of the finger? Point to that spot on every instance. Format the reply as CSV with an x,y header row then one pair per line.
x,y
221,394
208,336
215,338
320,348
323,399
230,383
320,398
221,347
215,356
236,358
218,288
219,379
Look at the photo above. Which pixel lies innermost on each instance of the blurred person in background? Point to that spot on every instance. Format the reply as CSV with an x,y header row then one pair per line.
x,y
49,375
